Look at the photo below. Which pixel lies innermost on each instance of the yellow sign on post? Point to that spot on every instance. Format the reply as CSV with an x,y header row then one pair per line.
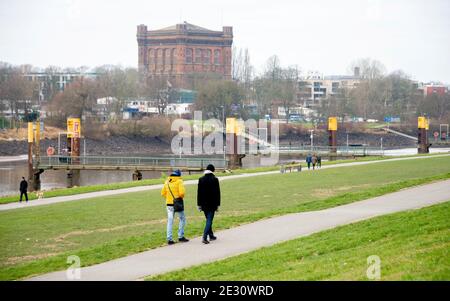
x,y
73,128
30,132
422,122
231,125
332,124
239,127
37,133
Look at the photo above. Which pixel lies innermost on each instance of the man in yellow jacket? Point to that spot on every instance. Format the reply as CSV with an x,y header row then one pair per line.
x,y
174,188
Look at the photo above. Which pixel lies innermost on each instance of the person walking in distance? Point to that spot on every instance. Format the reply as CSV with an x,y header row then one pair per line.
x,y
173,190
319,161
314,161
23,189
208,200
308,160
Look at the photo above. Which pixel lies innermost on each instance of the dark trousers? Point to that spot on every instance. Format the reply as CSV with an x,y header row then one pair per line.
x,y
309,165
23,193
208,227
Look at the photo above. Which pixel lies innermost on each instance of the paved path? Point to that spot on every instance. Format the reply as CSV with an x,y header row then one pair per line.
x,y
89,195
256,235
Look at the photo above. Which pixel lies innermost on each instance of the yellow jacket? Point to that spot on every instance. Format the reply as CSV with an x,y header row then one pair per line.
x,y
177,187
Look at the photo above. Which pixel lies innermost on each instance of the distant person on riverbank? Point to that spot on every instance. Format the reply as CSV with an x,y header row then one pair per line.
x,y
319,161
173,190
23,189
208,200
308,160
314,161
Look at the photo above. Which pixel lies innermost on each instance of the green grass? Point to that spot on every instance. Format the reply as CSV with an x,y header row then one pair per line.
x,y
114,186
38,239
412,245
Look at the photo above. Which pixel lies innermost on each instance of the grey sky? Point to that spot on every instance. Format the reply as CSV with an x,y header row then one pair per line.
x,y
323,35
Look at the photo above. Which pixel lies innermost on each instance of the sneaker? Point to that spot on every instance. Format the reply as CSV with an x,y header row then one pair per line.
x,y
170,242
183,239
212,237
205,241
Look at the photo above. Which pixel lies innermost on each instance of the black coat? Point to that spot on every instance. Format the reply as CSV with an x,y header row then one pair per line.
x,y
208,193
23,186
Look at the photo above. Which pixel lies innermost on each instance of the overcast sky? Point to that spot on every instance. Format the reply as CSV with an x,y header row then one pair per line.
x,y
323,35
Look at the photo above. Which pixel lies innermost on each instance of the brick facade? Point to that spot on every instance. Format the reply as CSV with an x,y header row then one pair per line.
x,y
180,51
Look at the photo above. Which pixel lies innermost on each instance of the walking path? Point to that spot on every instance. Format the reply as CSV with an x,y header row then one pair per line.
x,y
259,234
89,195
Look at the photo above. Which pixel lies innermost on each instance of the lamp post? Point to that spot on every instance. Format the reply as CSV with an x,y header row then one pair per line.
x,y
312,139
223,131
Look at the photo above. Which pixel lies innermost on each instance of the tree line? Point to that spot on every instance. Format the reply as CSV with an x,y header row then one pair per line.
x,y
377,94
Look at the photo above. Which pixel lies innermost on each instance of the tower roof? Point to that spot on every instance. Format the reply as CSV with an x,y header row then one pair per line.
x,y
188,27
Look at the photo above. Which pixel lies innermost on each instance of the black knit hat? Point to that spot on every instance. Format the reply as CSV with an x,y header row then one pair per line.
x,y
210,167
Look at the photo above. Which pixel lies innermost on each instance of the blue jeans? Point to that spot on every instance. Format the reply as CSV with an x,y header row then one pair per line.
x,y
208,227
170,218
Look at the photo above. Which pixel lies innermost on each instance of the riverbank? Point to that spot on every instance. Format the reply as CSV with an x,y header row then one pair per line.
x,y
116,145
59,192
115,186
105,228
139,145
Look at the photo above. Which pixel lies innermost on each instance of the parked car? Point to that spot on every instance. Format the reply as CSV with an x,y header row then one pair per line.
x,y
295,118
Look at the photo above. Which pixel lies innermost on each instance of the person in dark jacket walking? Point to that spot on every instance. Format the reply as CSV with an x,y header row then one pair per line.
x,y
308,160
23,189
208,200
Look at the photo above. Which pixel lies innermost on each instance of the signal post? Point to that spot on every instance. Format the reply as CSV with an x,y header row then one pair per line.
x,y
422,135
332,137
73,148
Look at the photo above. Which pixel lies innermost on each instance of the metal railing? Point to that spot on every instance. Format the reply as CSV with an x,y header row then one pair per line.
x,y
201,163
340,150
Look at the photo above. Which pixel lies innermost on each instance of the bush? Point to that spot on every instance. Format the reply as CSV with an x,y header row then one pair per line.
x,y
147,127
155,127
289,129
94,130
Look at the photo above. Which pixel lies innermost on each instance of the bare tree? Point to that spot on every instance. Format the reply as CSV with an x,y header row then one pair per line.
x,y
16,90
369,69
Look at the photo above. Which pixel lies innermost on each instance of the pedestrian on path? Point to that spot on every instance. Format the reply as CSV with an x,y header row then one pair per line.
x,y
173,190
208,200
308,160
314,161
23,189
319,161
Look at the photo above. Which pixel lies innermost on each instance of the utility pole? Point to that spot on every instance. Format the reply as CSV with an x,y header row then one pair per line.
x,y
223,131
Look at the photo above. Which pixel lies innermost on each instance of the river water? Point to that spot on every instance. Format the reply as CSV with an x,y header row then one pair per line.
x,y
12,169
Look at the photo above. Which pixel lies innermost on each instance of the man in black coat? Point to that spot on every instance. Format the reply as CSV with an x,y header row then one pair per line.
x,y
23,189
208,200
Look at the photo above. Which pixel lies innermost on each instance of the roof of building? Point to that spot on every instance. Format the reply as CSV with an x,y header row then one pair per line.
x,y
189,27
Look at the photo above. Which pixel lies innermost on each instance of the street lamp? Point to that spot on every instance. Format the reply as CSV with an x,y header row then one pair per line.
x,y
312,139
223,131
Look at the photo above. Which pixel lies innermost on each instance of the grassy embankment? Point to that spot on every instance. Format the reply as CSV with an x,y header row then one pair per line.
x,y
38,239
412,245
115,186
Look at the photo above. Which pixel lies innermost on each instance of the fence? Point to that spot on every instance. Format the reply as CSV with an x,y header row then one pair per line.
x,y
198,163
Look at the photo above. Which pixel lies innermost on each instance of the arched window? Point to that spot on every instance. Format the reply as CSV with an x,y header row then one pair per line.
x,y
207,57
188,55
159,57
172,57
198,56
151,57
167,60
217,57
